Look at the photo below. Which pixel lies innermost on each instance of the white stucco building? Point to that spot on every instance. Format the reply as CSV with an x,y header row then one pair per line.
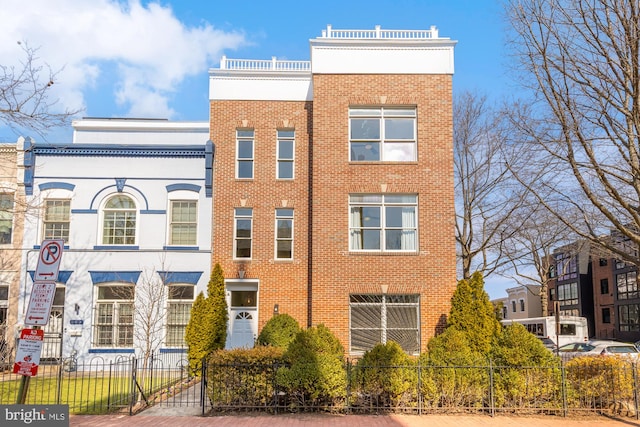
x,y
131,198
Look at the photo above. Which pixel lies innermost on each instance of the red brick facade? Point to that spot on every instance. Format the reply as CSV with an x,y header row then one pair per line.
x,y
315,286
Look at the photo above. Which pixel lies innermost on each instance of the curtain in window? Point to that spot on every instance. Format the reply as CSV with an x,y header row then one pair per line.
x,y
356,229
408,228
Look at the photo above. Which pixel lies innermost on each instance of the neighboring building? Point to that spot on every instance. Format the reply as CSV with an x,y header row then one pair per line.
x,y
334,187
12,215
131,199
523,302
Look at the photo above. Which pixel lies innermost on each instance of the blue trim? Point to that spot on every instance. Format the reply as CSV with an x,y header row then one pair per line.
x,y
170,277
153,212
142,196
209,156
116,248
114,276
183,186
120,184
173,350
29,166
63,276
84,211
56,185
181,248
111,350
121,150
39,246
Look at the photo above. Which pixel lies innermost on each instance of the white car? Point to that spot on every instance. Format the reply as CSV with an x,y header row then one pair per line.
x,y
598,348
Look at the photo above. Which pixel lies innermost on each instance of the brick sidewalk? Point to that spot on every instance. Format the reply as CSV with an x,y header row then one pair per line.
x,y
320,420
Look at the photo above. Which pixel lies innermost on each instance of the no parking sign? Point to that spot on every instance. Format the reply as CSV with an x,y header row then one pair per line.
x,y
49,261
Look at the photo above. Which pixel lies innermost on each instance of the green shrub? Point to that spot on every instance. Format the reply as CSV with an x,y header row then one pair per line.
x,y
279,331
386,373
316,374
518,347
243,377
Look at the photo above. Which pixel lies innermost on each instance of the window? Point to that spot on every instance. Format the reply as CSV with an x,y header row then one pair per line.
x,y
566,266
568,293
603,262
243,232
284,233
6,217
513,306
244,154
606,315
114,316
629,316
552,294
180,300
56,219
604,286
285,152
381,318
184,221
119,221
383,222
627,285
382,134
521,305
4,309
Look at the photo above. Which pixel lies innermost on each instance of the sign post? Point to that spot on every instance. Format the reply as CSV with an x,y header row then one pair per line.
x,y
38,312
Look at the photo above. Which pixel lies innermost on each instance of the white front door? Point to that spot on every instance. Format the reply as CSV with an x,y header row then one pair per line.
x,y
243,329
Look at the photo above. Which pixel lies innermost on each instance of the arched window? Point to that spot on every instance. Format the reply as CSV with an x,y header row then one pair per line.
x,y
119,223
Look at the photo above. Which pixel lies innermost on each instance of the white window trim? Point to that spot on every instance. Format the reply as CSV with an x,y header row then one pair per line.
x,y
176,301
235,234
279,160
115,325
253,153
101,220
383,140
275,237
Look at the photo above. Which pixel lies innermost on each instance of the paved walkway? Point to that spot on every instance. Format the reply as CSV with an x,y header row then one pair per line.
x,y
322,420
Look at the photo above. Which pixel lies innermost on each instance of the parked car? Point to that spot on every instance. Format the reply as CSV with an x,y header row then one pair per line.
x,y
598,348
548,343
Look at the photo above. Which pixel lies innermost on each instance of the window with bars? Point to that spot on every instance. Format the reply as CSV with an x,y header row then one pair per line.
x,y
114,316
244,154
382,134
6,217
184,222
284,233
285,154
119,223
180,301
243,232
57,219
383,222
381,318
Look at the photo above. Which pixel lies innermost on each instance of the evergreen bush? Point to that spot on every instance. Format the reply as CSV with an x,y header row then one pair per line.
x,y
279,331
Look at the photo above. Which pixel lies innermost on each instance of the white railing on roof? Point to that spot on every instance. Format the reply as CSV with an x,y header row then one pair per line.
x,y
379,33
264,64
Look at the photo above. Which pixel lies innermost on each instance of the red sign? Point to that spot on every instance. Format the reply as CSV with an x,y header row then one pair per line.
x,y
40,303
28,352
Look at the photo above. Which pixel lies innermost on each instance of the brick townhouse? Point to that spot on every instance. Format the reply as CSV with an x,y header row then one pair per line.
x,y
333,187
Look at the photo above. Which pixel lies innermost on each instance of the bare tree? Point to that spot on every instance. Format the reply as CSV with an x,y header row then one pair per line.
x,y
581,60
149,312
24,95
486,195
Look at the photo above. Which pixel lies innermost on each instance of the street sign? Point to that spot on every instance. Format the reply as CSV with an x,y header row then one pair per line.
x,y
28,352
40,303
49,260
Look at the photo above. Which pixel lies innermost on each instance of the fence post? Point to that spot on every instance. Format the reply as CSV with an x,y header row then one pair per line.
x,y
348,372
419,394
134,374
563,379
59,391
635,388
492,401
203,384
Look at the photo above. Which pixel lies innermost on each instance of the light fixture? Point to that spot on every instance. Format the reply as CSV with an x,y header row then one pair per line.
x,y
384,288
241,272
276,309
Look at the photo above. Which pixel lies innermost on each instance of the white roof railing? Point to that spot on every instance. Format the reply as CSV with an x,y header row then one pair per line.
x,y
264,64
379,33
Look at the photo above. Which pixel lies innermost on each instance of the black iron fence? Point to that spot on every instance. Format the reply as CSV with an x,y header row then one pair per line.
x,y
129,385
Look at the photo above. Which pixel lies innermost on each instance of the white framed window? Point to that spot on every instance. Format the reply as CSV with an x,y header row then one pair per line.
x,y
183,225
6,218
285,154
243,219
4,309
284,233
56,219
244,153
383,222
119,221
385,134
114,316
179,303
380,318
521,305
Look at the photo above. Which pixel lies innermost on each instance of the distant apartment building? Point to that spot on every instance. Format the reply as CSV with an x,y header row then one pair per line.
x,y
333,187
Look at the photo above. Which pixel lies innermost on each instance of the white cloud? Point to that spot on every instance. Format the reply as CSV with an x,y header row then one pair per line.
x,y
148,50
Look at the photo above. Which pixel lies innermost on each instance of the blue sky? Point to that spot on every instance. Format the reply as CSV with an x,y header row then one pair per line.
x,y
151,58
